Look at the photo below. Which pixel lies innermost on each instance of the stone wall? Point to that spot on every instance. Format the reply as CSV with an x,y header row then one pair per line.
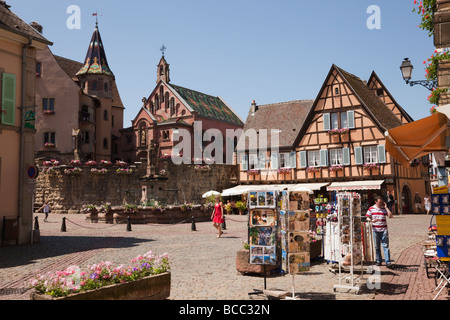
x,y
181,183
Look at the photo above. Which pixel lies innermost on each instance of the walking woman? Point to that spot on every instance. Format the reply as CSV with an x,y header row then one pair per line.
x,y
46,208
217,216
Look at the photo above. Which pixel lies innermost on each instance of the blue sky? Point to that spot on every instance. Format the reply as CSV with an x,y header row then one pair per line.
x,y
264,50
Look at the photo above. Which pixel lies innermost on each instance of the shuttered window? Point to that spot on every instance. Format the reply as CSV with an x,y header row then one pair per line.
x,y
303,162
324,158
381,154
274,161
326,122
358,156
8,99
293,159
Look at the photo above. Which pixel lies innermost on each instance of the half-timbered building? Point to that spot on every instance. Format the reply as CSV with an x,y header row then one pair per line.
x,y
339,143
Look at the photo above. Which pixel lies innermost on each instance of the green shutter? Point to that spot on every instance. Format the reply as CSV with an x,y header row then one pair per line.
x,y
8,99
244,162
326,122
358,156
293,159
274,160
381,154
346,156
303,163
351,119
324,158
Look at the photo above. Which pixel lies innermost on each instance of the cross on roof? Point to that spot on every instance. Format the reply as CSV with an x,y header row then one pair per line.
x,y
163,48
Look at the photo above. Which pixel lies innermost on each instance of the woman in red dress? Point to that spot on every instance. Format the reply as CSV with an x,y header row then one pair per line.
x,y
217,216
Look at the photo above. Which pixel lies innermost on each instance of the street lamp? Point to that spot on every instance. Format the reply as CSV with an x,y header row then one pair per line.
x,y
407,69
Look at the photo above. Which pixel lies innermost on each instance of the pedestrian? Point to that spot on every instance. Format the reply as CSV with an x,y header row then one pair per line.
x,y
377,214
390,201
217,216
418,202
427,203
46,210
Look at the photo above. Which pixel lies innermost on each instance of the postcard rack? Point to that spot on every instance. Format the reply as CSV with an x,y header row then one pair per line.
x,y
348,207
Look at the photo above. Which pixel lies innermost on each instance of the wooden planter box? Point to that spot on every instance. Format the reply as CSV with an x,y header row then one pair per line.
x,y
150,288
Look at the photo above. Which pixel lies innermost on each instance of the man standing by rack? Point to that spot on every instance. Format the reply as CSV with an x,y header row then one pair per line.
x,y
377,214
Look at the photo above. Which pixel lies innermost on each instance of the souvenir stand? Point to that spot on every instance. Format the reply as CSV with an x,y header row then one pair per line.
x,y
441,211
348,207
262,232
295,235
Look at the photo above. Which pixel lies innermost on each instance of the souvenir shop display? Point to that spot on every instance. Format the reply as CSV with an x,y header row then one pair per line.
x,y
440,205
295,233
332,243
262,232
348,207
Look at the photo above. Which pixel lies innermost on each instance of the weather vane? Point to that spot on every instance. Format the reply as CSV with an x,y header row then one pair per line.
x,y
163,48
95,14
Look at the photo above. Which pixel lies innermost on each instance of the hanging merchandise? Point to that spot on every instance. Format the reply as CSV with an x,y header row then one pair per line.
x,y
262,228
349,226
295,234
332,235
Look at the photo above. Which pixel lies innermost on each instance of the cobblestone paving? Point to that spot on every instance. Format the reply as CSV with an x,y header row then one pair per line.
x,y
203,266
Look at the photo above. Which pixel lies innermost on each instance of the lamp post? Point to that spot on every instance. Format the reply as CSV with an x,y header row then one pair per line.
x,y
407,69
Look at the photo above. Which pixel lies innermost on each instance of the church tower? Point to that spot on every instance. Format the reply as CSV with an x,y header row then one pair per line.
x,y
163,71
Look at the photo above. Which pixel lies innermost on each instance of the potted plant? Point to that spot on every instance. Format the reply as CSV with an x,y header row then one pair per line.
x,y
241,206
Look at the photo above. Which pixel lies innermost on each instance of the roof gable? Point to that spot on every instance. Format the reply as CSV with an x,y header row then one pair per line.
x,y
379,111
374,83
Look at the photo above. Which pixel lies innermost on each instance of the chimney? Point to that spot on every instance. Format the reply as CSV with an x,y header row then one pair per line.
x,y
254,107
36,26
4,4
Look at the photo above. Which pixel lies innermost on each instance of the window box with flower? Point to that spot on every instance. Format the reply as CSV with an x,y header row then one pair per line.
x,y
313,169
124,171
51,163
101,171
284,170
75,163
370,166
338,131
49,111
121,164
90,163
253,172
73,172
49,145
105,163
336,167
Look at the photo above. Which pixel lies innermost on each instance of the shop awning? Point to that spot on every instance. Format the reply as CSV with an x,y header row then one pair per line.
x,y
356,185
418,138
309,187
241,189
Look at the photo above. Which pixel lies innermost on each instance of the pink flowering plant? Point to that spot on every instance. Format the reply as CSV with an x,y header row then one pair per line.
x,y
74,280
337,131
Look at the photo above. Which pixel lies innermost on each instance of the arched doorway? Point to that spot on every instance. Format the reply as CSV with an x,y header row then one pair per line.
x,y
406,200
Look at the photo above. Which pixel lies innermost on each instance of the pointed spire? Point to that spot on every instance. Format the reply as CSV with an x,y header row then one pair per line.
x,y
95,61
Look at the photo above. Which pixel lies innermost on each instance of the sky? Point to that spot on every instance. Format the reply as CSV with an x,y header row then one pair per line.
x,y
242,50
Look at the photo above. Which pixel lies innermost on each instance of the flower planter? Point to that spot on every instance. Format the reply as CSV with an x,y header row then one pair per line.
x,y
155,287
